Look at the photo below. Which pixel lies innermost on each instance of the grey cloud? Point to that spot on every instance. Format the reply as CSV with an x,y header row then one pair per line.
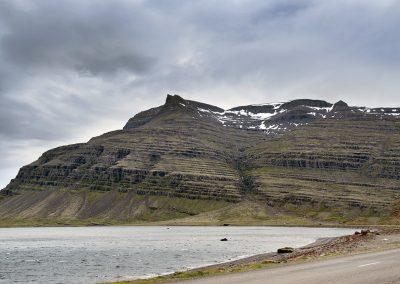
x,y
102,64
68,35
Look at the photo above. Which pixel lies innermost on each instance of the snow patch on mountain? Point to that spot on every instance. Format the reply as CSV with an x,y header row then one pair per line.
x,y
281,117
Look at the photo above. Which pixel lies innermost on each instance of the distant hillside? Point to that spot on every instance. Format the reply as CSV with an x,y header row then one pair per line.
x,y
298,162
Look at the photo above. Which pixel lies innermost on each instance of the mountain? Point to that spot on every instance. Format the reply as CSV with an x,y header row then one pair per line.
x,y
298,162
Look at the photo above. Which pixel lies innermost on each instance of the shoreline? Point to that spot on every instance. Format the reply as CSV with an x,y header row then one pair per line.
x,y
238,260
376,239
163,224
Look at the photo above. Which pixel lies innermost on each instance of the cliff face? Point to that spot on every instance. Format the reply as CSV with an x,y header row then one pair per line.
x,y
300,153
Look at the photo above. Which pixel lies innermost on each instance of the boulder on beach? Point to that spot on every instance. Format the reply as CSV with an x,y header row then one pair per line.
x,y
285,250
365,233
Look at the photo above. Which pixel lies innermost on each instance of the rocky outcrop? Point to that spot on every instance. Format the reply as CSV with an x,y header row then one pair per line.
x,y
285,250
142,118
304,102
298,114
340,106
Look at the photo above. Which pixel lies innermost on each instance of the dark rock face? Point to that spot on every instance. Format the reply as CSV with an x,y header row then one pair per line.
x,y
142,118
198,105
340,106
300,152
255,109
285,250
309,103
298,114
174,100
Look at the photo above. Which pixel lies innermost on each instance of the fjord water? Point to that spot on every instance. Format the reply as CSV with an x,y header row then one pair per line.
x,y
96,254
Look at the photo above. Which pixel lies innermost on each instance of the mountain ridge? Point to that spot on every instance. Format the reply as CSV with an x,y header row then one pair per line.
x,y
310,159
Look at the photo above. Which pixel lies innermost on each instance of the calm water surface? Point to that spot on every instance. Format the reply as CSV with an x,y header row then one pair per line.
x,y
95,254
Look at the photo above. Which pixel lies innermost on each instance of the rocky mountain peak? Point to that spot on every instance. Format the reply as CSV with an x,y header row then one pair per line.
x,y
271,118
305,102
173,103
174,100
340,106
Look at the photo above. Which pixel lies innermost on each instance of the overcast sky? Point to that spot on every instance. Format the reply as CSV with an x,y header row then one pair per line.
x,y
70,70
